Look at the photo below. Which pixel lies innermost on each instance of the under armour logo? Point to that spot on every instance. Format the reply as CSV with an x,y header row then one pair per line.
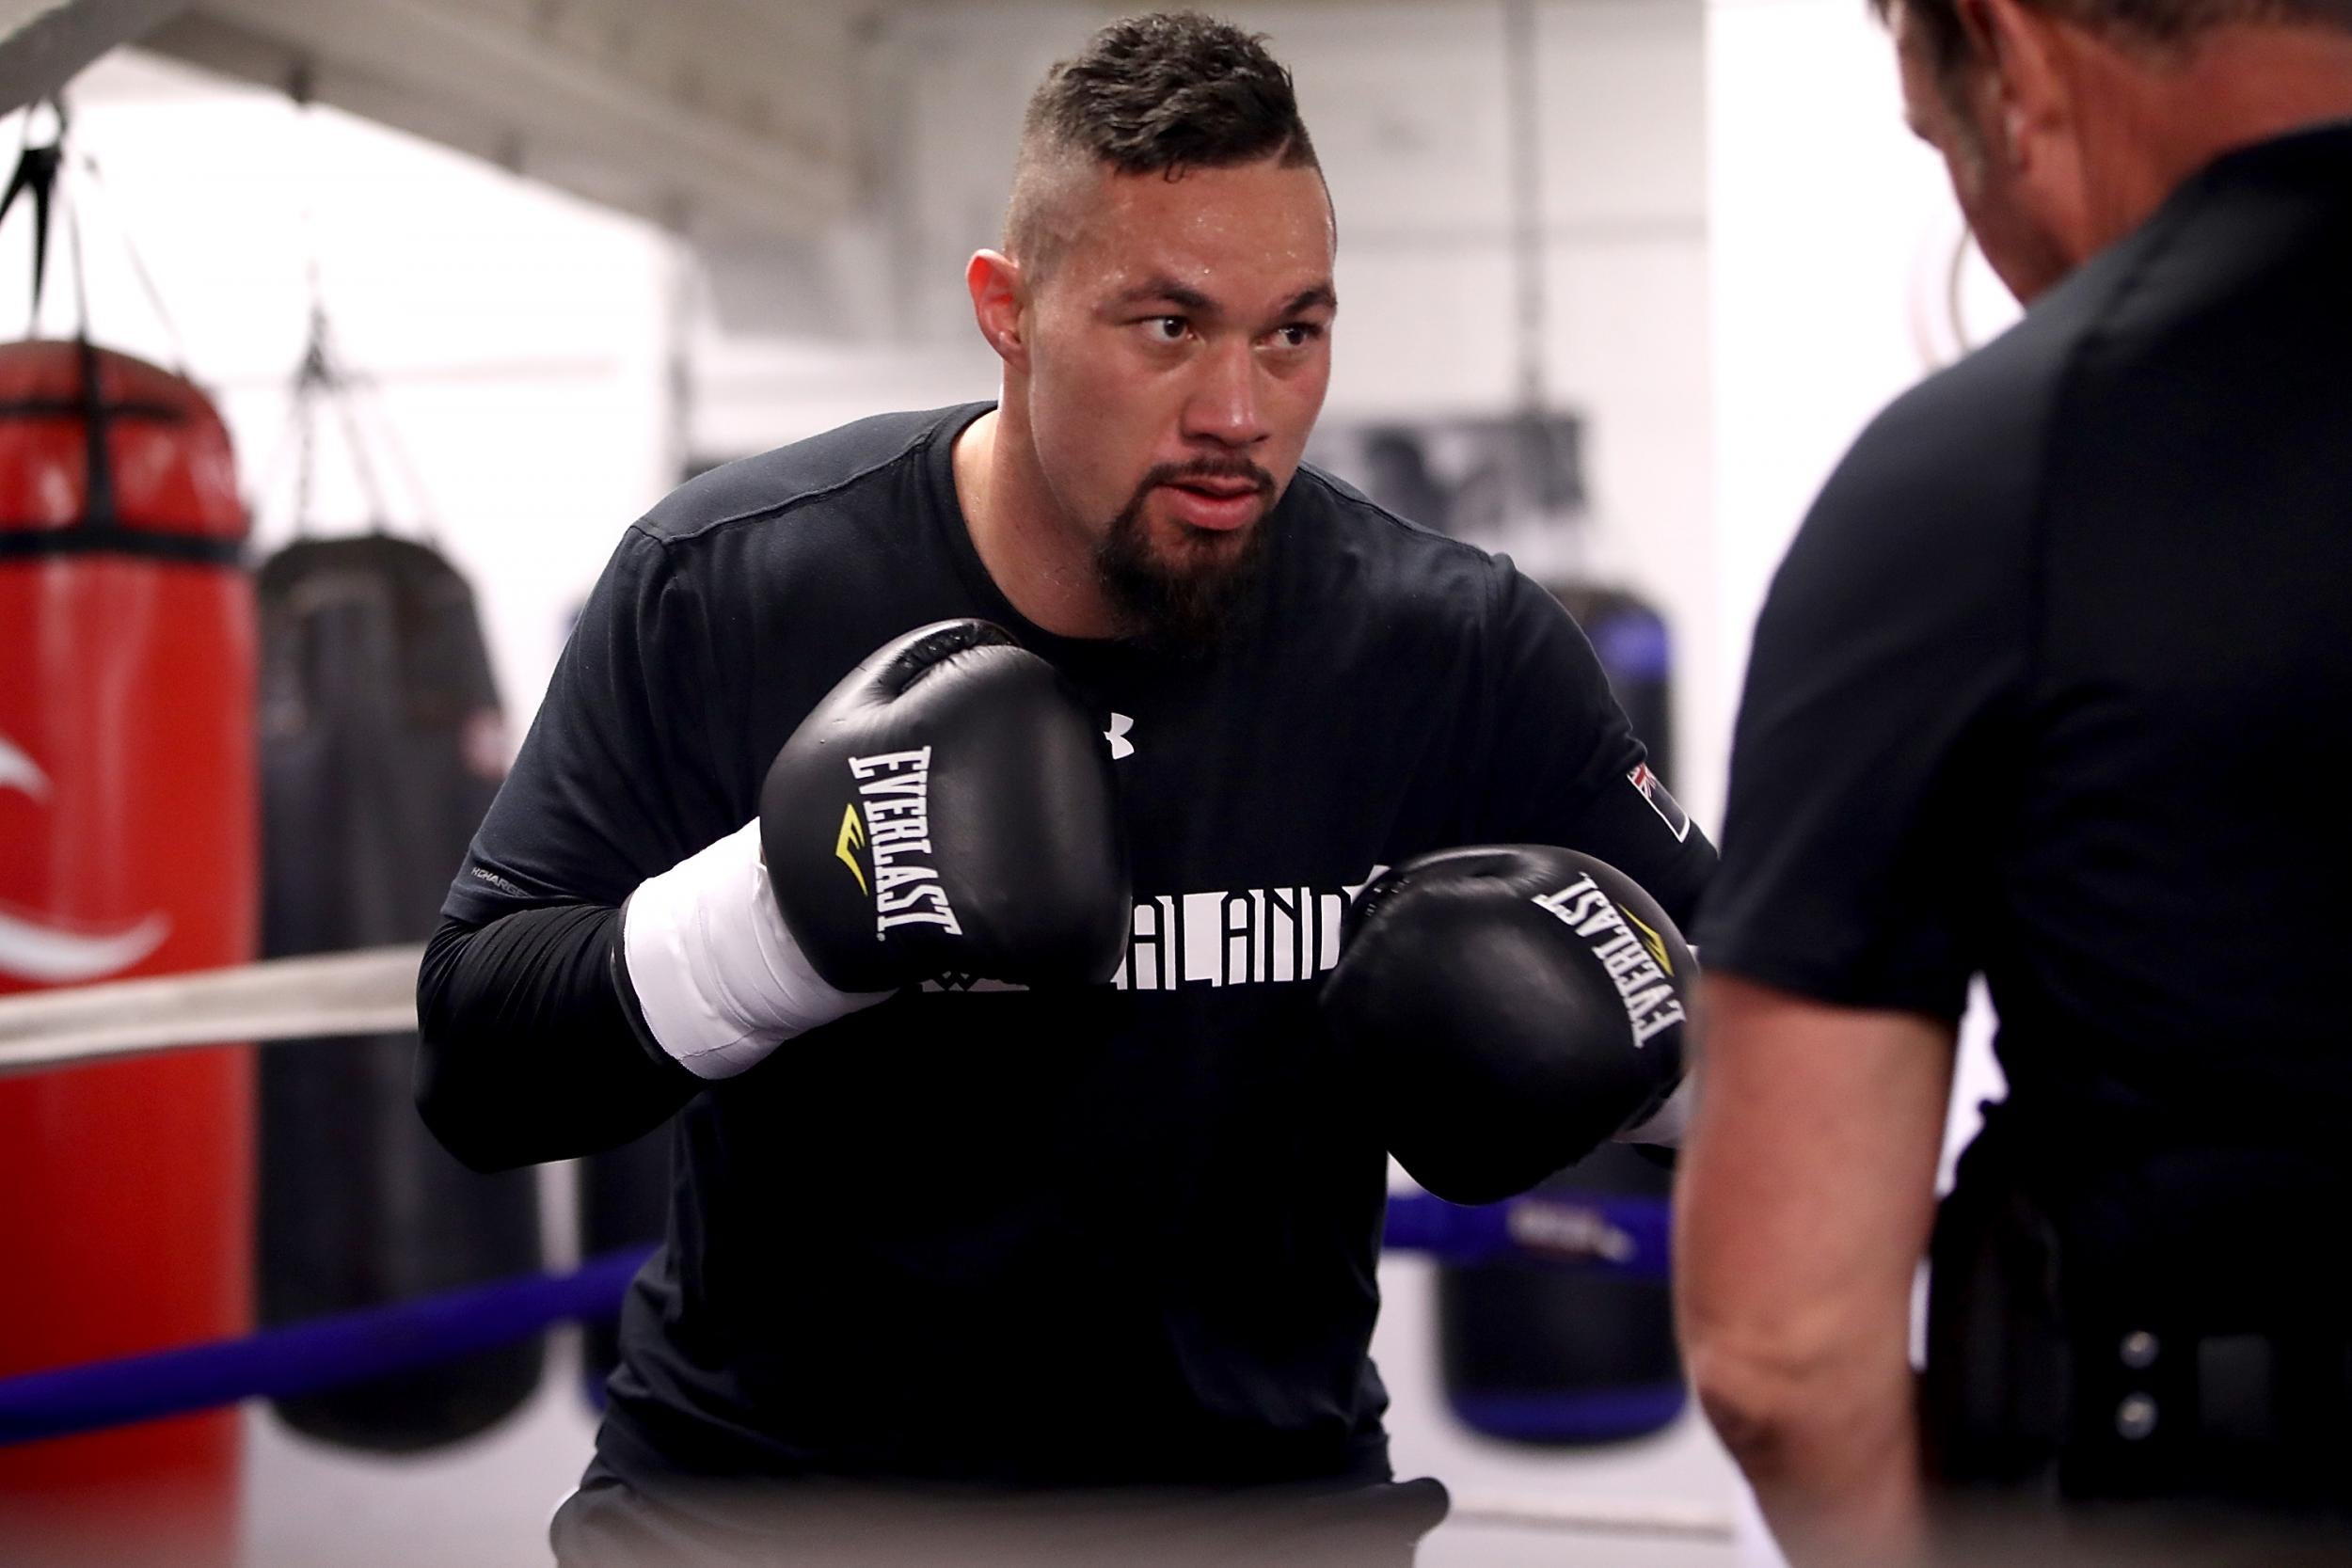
x,y
1121,726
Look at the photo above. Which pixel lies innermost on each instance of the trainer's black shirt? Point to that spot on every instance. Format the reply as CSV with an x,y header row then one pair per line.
x,y
2055,685
1122,1236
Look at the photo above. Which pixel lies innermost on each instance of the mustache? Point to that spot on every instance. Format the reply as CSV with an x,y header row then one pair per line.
x,y
1209,468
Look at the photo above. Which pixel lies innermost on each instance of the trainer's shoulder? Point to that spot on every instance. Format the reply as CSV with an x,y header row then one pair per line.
x,y
838,468
1971,445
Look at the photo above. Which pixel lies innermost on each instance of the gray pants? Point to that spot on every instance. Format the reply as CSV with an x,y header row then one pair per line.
x,y
608,1523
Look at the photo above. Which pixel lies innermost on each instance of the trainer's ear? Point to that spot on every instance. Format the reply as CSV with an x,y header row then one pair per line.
x,y
2032,113
1000,304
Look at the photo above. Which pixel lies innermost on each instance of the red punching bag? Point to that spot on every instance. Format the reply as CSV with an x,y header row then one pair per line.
x,y
127,848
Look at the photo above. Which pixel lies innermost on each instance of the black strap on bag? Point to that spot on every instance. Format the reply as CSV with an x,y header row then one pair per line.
x,y
35,175
325,383
36,171
101,528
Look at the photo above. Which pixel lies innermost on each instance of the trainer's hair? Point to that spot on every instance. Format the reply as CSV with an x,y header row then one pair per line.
x,y
1156,94
2153,22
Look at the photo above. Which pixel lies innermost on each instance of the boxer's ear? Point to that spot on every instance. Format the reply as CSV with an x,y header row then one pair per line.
x,y
1000,303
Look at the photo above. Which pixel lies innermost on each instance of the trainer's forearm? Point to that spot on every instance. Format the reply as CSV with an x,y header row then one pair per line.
x,y
1806,1194
1834,1455
526,1052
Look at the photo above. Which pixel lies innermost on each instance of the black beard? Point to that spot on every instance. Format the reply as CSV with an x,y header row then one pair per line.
x,y
1180,606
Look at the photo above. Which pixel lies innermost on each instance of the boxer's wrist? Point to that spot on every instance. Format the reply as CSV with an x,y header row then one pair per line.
x,y
717,980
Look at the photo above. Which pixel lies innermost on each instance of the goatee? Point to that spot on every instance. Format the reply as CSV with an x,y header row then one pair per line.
x,y
1186,597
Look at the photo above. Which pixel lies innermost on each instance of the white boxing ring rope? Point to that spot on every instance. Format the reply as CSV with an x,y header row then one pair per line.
x,y
369,991
372,991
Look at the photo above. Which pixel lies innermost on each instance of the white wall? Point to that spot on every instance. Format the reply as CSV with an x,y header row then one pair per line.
x,y
1833,229
1834,232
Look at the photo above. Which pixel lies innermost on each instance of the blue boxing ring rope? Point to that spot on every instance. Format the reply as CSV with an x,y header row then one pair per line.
x,y
1627,1236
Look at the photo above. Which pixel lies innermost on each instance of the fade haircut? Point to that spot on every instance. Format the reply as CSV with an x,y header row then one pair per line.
x,y
1156,94
2157,23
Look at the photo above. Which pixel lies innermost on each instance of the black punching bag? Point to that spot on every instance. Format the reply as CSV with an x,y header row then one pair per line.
x,y
381,747
1538,1353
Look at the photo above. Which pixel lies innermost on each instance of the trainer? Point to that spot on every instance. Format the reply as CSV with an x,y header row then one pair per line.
x,y
950,818
2053,689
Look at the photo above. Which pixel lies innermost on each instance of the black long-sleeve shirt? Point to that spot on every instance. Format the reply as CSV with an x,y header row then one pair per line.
x,y
530,1051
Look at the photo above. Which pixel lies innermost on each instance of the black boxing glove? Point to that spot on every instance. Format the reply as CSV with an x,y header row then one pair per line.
x,y
1508,1009
950,808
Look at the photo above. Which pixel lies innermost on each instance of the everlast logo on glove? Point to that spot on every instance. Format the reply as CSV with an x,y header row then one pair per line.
x,y
1640,968
1022,880
895,791
1487,997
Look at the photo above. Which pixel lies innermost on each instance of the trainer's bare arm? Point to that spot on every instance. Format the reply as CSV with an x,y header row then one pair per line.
x,y
1806,1197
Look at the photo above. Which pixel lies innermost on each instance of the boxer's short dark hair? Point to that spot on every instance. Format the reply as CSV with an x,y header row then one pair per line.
x,y
2155,21
1156,94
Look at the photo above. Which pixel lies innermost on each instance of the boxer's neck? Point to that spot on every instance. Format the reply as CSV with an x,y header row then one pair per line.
x,y
1038,558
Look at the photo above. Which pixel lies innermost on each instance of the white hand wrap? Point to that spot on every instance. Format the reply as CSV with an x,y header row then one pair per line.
x,y
718,976
1666,1126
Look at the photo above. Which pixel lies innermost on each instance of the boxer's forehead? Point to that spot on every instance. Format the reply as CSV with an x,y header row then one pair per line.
x,y
1254,239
